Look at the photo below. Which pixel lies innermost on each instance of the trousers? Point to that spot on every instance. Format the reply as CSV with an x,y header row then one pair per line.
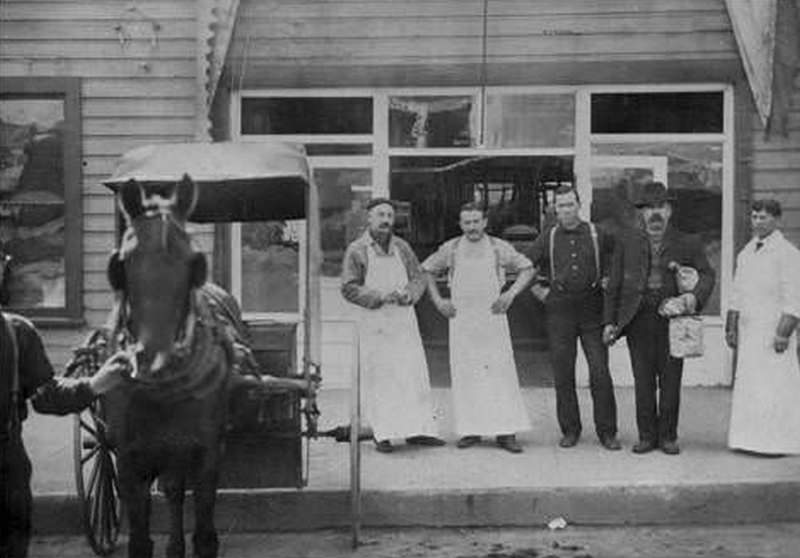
x,y
571,318
656,374
17,499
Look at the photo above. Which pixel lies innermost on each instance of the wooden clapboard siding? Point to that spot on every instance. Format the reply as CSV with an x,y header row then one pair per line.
x,y
134,92
397,41
774,163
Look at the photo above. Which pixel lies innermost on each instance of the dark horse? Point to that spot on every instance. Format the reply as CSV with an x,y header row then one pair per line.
x,y
168,421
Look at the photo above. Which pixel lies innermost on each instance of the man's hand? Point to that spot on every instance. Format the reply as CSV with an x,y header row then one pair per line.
x,y
403,297
446,308
503,303
609,334
780,343
111,374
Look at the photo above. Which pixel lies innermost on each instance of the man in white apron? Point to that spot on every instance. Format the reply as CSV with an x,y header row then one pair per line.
x,y
762,325
486,394
382,275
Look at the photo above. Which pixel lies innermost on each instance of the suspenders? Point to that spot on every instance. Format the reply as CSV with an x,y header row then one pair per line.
x,y
595,246
13,404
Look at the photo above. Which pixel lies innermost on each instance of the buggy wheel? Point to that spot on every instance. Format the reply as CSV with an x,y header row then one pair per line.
x,y
96,481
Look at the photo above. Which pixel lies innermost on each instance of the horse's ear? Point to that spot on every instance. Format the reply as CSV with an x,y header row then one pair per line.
x,y
199,272
116,272
185,198
131,199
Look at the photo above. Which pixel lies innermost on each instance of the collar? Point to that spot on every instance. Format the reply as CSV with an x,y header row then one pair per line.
x,y
578,229
370,241
768,240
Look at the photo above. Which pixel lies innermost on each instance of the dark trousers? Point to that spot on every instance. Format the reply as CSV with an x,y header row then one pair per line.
x,y
570,318
656,374
17,500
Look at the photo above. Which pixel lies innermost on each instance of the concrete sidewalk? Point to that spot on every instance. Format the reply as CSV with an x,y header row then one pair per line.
x,y
487,486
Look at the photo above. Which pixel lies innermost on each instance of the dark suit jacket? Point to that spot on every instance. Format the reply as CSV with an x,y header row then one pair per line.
x,y
630,265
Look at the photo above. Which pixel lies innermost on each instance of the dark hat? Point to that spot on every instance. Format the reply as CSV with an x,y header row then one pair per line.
x,y
380,201
653,193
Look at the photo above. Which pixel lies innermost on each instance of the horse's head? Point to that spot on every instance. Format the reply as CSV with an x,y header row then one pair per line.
x,y
156,268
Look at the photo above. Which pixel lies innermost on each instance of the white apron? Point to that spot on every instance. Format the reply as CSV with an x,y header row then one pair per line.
x,y
765,414
396,392
486,396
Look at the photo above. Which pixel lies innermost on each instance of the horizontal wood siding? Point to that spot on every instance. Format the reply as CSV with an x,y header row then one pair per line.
x,y
356,41
137,88
774,164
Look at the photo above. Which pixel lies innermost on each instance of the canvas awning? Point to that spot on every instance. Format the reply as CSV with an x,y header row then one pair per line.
x,y
236,181
768,35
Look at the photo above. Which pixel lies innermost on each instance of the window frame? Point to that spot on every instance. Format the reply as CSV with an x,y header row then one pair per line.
x,y
67,89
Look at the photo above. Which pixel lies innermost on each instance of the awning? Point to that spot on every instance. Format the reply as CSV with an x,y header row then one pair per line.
x,y
768,35
236,181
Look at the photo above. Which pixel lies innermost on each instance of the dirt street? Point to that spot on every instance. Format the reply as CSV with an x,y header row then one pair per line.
x,y
751,541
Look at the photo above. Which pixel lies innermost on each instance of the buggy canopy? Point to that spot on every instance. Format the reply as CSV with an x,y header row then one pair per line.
x,y
236,181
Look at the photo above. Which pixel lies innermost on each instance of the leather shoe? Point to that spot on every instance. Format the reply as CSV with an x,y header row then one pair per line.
x,y
425,441
384,446
468,441
509,443
610,443
568,441
644,446
670,447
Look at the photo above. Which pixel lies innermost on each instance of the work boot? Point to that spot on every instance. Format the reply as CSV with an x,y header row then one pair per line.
x,y
509,443
468,441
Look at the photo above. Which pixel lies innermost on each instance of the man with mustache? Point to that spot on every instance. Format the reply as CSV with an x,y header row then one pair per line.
x,y
486,397
640,279
381,275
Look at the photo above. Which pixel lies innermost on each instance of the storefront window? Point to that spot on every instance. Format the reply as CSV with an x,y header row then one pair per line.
x,y
530,120
343,197
270,264
307,115
657,113
692,171
40,205
435,121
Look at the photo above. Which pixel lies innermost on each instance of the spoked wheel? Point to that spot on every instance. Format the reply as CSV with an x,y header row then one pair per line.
x,y
96,481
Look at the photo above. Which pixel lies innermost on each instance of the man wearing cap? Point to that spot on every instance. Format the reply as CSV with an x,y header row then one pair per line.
x,y
573,256
486,395
382,276
26,372
761,324
640,279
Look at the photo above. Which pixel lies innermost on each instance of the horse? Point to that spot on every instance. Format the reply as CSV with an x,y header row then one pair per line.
x,y
168,420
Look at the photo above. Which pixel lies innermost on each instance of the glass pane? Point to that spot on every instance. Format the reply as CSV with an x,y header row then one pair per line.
x,y
315,149
307,115
343,197
641,113
527,120
270,266
32,201
443,121
693,173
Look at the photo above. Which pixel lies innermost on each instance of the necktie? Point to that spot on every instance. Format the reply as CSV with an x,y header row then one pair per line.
x,y
759,245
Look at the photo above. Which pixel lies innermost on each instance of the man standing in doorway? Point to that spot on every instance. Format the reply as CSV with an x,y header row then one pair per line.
x,y
641,278
381,274
762,323
574,255
486,394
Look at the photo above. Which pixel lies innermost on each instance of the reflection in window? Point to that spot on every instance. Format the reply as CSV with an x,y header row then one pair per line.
x,y
529,120
694,174
270,266
343,197
32,208
443,121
